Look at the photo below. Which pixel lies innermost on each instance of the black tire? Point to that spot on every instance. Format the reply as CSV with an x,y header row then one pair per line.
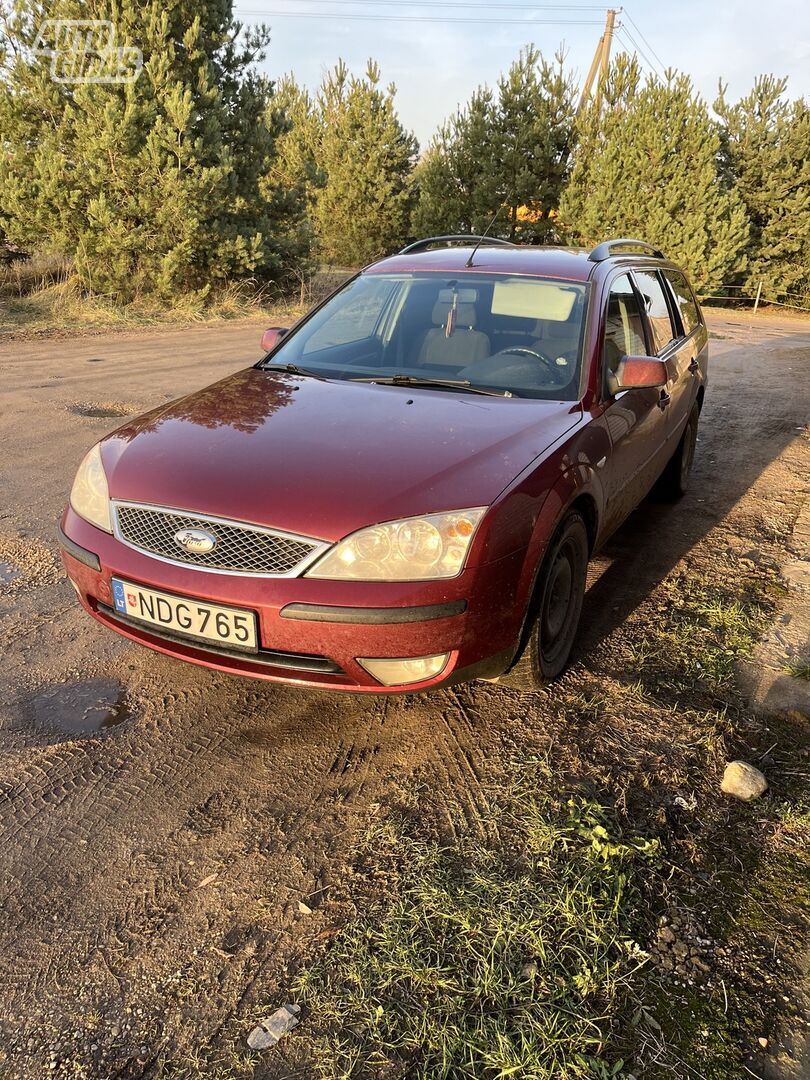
x,y
556,608
675,477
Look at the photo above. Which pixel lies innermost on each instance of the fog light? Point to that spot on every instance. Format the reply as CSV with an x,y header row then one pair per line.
x,y
400,672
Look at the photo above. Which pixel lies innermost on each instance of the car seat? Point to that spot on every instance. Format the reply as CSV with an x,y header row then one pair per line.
x,y
463,344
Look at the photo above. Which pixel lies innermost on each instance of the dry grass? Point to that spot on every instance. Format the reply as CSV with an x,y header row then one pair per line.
x,y
41,295
64,306
22,277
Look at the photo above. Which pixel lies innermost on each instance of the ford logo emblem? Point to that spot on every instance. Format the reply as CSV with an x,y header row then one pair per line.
x,y
195,540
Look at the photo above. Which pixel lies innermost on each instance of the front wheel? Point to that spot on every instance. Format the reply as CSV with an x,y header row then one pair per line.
x,y
556,608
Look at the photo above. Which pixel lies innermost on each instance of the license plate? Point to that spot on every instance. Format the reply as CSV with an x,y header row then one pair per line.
x,y
191,618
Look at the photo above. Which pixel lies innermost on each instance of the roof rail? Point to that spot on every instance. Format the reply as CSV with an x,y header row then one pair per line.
x,y
457,238
608,248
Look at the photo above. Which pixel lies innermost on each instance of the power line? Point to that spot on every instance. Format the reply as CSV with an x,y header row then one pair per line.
x,y
643,38
460,14
420,18
634,46
451,7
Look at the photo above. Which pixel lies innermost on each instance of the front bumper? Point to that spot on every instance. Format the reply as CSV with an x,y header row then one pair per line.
x,y
312,631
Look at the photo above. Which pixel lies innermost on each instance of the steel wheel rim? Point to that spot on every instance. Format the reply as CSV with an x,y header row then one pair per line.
x,y
558,605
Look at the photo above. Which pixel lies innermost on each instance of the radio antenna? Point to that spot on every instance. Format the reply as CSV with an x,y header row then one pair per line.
x,y
484,235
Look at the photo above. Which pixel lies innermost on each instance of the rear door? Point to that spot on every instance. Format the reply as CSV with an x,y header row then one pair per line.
x,y
667,343
690,352
635,419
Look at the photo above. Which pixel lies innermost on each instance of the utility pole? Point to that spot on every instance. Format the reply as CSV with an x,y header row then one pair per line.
x,y
601,59
607,40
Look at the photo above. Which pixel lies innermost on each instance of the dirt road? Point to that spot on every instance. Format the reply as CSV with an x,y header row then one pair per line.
x,y
160,822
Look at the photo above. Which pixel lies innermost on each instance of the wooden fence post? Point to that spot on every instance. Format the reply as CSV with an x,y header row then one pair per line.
x,y
759,293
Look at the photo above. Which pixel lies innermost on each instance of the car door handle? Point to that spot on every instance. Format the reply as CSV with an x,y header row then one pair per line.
x,y
664,400
694,366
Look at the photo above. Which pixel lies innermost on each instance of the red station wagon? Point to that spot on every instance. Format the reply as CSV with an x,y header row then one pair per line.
x,y
406,490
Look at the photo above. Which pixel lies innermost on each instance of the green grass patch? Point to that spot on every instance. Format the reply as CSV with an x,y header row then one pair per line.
x,y
703,631
503,958
799,668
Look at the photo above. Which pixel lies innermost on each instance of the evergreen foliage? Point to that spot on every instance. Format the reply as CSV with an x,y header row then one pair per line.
x,y
353,158
458,193
766,154
156,186
296,166
201,171
507,150
363,208
647,166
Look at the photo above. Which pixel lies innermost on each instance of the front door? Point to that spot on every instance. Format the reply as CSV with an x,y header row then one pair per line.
x,y
635,419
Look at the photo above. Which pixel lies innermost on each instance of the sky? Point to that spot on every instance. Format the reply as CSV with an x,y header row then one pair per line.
x,y
436,65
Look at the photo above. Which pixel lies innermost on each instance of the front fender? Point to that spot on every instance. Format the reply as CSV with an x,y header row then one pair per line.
x,y
579,482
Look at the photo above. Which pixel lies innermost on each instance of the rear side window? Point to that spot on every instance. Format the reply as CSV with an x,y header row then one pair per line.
x,y
624,326
684,300
655,303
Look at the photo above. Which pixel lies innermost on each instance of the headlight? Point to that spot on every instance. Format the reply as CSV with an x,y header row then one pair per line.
x,y
89,495
433,546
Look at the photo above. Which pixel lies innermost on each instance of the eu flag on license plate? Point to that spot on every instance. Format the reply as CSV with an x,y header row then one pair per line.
x,y
118,595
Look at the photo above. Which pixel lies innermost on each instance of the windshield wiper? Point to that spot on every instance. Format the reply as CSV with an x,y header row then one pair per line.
x,y
294,369
418,380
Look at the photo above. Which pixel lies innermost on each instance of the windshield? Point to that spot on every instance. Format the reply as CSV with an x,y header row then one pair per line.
x,y
519,335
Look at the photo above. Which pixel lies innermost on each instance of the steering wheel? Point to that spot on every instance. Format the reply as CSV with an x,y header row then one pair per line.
x,y
524,350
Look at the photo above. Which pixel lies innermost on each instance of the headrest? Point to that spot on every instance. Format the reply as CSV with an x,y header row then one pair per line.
x,y
465,307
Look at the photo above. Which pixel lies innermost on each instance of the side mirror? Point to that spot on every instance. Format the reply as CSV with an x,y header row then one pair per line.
x,y
272,336
638,372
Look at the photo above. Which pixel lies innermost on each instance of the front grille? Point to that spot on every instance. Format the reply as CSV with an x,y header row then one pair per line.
x,y
239,549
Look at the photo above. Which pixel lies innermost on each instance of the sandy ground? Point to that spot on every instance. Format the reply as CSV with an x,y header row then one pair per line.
x,y
160,822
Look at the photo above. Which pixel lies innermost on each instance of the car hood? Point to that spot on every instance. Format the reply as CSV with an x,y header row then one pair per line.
x,y
325,458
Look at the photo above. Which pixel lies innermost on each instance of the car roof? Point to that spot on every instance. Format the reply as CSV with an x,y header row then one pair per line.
x,y
569,264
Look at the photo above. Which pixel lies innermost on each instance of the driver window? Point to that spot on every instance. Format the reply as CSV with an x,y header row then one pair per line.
x,y
624,327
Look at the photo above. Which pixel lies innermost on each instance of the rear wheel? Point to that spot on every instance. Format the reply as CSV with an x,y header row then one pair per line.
x,y
556,608
675,477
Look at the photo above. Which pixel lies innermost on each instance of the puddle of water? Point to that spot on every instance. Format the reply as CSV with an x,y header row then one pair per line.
x,y
81,708
8,572
98,411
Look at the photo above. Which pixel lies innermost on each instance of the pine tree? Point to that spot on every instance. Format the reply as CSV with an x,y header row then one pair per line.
x,y
456,179
507,151
766,153
646,165
296,165
534,124
157,186
361,203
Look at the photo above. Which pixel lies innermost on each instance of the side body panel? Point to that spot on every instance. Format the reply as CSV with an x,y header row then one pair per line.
x,y
635,422
688,363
